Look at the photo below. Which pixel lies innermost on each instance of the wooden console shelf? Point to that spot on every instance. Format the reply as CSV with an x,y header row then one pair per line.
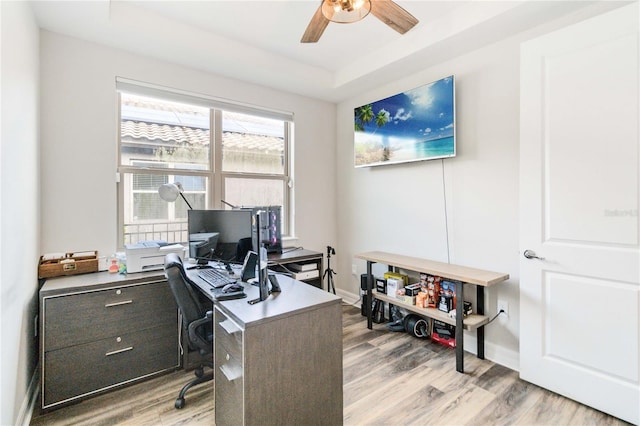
x,y
456,273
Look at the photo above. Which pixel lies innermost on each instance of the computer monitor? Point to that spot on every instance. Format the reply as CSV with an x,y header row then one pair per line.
x,y
233,229
202,244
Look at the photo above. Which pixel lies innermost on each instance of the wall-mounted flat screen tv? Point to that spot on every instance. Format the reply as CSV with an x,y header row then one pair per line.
x,y
415,125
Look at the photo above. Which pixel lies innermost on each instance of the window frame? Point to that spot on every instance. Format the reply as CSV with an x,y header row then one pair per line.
x,y
214,175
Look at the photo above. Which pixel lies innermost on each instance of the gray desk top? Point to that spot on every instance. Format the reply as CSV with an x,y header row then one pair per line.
x,y
296,297
97,280
295,255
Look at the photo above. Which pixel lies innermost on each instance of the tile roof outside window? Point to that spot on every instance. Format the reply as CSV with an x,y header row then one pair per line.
x,y
177,123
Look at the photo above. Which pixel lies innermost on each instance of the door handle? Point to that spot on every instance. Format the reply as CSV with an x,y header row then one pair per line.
x,y
530,254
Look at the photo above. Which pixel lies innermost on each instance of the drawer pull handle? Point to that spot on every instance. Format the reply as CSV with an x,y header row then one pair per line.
x,y
231,373
124,302
119,351
229,327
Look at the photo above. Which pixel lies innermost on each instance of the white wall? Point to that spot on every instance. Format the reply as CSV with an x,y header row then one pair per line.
x,y
19,207
78,122
401,208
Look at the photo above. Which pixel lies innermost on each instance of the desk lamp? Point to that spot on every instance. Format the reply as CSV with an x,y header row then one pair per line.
x,y
169,192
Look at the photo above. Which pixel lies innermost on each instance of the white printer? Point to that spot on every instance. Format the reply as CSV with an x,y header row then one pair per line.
x,y
149,255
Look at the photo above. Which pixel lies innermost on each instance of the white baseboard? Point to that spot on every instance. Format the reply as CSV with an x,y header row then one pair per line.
x,y
347,297
492,352
30,399
502,356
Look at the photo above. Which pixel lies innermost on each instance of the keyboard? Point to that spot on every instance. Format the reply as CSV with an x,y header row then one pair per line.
x,y
215,277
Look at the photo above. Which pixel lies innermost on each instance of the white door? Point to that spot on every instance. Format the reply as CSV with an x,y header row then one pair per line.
x,y
579,186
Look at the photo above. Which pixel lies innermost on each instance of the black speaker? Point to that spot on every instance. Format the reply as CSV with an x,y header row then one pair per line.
x,y
363,282
249,266
363,288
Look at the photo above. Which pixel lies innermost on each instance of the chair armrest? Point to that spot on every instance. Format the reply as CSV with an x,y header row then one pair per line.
x,y
196,338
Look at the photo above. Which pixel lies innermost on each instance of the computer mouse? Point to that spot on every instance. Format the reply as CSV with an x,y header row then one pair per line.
x,y
230,288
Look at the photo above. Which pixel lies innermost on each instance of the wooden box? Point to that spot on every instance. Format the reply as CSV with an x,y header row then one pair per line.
x,y
68,264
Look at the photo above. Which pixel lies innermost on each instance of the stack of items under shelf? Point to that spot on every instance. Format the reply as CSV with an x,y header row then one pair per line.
x,y
430,292
304,271
443,333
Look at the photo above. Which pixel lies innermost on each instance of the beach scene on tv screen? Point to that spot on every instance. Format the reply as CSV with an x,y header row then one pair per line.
x,y
414,125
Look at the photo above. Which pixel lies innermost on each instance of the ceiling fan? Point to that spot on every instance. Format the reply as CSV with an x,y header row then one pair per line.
x,y
347,11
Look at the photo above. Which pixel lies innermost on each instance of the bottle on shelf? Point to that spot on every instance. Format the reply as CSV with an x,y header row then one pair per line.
x,y
113,264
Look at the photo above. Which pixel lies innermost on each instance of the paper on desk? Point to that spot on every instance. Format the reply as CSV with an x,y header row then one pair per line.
x,y
53,256
83,254
172,247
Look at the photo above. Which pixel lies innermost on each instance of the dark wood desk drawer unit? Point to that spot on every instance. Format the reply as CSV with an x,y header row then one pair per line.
x,y
99,331
279,361
229,368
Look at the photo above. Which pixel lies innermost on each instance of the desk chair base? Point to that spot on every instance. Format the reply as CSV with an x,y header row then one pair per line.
x,y
200,378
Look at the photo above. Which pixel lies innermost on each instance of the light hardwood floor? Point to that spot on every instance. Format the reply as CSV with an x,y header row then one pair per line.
x,y
389,379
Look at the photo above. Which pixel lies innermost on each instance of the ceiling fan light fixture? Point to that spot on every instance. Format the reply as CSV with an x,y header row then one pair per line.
x,y
345,11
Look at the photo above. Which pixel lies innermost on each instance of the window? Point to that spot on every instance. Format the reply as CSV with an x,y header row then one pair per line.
x,y
223,155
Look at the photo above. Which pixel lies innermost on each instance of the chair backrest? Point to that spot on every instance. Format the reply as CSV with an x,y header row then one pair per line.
x,y
183,291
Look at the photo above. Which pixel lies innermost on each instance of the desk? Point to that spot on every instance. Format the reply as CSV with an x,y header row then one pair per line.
x,y
280,360
282,262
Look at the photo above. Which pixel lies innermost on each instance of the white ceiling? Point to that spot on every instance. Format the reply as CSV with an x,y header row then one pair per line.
x,y
259,41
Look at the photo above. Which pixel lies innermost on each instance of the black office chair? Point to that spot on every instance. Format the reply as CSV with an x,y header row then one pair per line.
x,y
197,321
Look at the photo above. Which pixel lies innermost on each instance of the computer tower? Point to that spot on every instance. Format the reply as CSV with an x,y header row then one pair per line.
x,y
271,228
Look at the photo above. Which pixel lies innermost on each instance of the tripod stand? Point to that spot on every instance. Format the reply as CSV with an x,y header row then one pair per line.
x,y
329,272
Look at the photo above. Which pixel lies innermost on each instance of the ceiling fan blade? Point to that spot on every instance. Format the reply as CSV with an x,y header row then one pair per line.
x,y
315,28
393,15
